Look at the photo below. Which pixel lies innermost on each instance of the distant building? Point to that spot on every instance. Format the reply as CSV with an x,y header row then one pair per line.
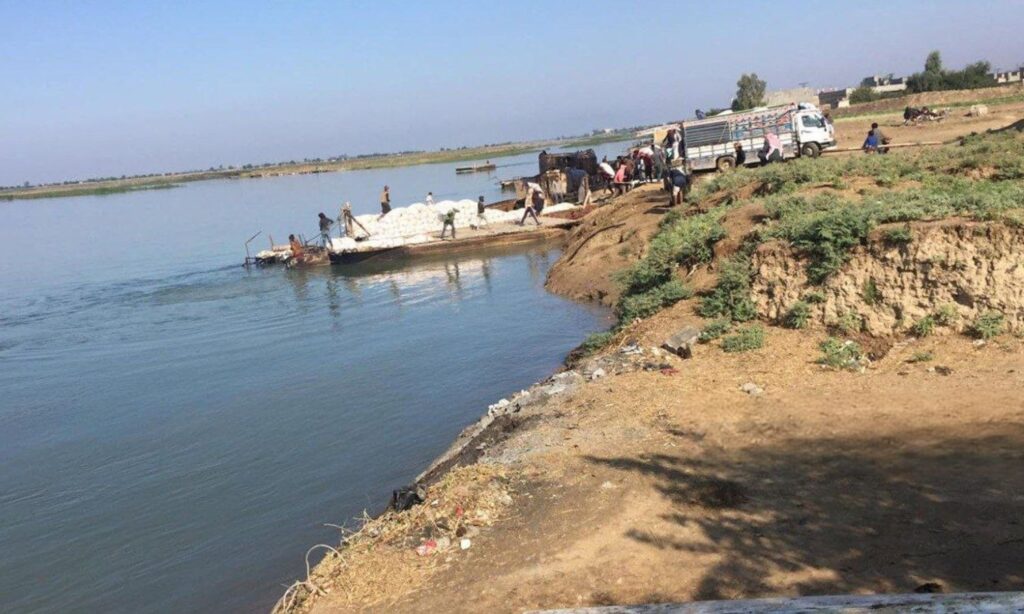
x,y
834,99
1010,76
881,84
796,94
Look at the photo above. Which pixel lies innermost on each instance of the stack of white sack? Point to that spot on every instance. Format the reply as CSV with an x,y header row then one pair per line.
x,y
419,218
419,222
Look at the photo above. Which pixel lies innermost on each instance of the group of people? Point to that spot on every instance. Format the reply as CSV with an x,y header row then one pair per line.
x,y
876,141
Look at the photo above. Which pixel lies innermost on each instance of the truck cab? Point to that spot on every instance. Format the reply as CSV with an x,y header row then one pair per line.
x,y
813,132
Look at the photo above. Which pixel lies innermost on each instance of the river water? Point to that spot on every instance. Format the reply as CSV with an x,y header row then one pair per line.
x,y
175,430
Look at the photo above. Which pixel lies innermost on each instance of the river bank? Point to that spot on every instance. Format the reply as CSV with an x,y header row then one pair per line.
x,y
169,180
639,476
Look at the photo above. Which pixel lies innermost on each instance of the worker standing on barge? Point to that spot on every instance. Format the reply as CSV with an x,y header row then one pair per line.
x,y
385,202
325,229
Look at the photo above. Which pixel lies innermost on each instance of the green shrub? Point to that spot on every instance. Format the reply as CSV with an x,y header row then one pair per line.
x,y
840,354
687,242
715,329
988,325
898,236
798,316
849,323
921,357
731,296
870,292
595,342
946,315
652,301
814,297
826,237
745,339
923,327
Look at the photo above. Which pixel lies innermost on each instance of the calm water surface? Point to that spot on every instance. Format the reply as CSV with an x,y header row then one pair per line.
x,y
175,429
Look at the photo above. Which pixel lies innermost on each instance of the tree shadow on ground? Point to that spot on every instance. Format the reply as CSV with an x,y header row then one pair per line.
x,y
846,515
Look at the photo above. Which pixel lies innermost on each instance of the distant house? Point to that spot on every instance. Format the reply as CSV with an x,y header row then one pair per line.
x,y
1010,76
796,94
879,84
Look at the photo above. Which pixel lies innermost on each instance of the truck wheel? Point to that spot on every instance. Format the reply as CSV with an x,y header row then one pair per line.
x,y
725,163
810,150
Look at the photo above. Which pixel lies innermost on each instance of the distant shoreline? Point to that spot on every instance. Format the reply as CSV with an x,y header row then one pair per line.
x,y
172,180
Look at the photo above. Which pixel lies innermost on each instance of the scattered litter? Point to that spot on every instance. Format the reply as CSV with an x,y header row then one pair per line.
x,y
608,485
426,547
465,543
751,388
631,349
669,371
444,543
598,374
978,343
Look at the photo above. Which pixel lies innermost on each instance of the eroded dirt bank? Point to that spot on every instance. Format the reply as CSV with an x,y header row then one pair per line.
x,y
641,477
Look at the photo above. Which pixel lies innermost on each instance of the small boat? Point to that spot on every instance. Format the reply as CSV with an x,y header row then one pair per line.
x,y
461,170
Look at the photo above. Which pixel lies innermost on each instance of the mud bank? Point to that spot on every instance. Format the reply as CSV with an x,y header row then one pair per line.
x,y
965,266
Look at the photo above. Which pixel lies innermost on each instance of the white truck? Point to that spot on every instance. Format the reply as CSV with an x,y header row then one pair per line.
x,y
709,143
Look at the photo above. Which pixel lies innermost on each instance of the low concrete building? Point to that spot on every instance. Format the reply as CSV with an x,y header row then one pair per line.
x,y
1010,76
794,95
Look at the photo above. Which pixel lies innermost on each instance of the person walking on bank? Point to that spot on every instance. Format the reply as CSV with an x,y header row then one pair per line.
x,y
385,202
325,229
430,199
532,198
449,222
677,184
481,219
585,196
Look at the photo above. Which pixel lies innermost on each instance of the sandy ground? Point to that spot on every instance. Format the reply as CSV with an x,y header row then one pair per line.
x,y
850,132
647,487
673,484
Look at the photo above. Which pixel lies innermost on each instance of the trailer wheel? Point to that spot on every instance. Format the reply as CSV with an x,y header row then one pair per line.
x,y
725,163
810,150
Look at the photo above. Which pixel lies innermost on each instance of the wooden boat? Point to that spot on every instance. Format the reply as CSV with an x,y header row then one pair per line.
x,y
461,170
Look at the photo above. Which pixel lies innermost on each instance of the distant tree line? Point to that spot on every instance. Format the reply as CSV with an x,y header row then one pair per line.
x,y
936,78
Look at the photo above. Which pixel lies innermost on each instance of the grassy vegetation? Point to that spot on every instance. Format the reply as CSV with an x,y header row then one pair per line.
x,y
840,354
89,190
988,325
798,316
921,357
595,342
745,339
731,296
923,327
714,329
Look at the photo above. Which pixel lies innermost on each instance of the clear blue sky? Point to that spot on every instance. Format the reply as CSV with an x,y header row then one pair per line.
x,y
103,88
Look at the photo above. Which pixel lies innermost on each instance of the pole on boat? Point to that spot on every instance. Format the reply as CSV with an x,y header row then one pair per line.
x,y
248,258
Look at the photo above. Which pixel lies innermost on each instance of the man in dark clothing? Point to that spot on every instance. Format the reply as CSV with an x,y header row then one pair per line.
x,y
481,208
741,156
677,184
882,139
325,229
449,222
